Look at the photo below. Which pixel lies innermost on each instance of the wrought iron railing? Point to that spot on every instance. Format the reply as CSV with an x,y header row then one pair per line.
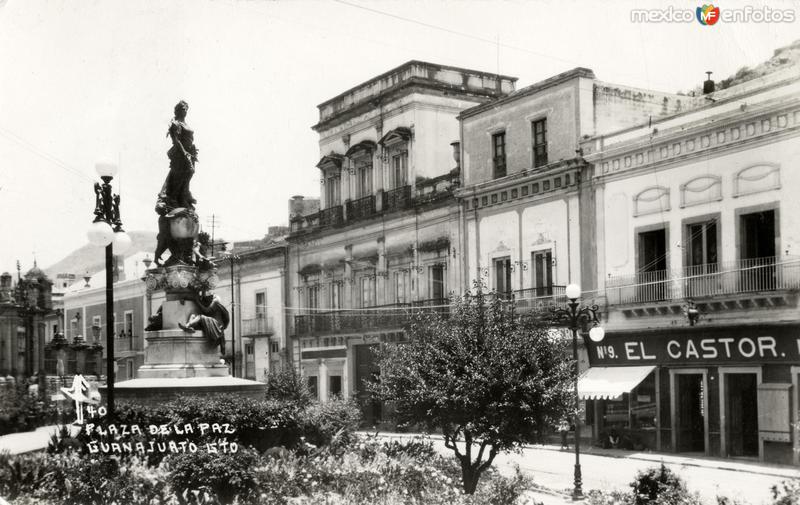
x,y
379,317
397,199
540,298
125,344
361,208
259,325
331,216
707,280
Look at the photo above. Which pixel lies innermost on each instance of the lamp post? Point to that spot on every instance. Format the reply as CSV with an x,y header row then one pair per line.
x,y
573,315
115,240
232,259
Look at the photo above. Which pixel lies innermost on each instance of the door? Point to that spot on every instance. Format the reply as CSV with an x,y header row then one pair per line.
x,y
690,413
502,281
543,273
757,250
741,412
702,263
367,371
652,266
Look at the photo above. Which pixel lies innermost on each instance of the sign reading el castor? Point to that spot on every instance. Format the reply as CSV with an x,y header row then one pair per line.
x,y
737,346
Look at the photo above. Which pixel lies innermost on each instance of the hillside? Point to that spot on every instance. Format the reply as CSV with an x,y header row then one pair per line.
x,y
90,258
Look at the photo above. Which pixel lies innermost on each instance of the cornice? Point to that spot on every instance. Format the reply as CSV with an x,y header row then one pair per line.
x,y
727,132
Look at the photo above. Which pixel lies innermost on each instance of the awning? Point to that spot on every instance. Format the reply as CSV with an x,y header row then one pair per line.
x,y
608,383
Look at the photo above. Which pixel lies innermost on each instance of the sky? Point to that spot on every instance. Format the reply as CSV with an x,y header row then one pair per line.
x,y
88,80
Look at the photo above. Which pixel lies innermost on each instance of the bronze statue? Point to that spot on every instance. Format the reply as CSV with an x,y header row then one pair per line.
x,y
182,158
175,204
212,320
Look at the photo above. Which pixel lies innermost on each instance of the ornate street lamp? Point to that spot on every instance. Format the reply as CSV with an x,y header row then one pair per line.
x,y
115,240
573,316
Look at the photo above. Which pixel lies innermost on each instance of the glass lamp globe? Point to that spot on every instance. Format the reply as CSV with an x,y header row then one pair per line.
x,y
100,234
122,242
597,333
573,291
106,168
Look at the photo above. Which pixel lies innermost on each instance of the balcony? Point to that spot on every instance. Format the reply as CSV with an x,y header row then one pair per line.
x,y
382,317
753,276
257,326
361,208
397,199
540,298
128,344
331,216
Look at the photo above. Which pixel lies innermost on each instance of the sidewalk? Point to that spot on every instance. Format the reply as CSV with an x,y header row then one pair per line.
x,y
752,467
29,441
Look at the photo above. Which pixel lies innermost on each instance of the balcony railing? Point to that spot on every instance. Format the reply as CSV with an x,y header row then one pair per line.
x,y
540,298
397,199
703,281
124,344
254,326
361,208
331,216
395,315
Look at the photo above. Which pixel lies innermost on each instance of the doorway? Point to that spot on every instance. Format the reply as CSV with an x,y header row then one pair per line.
x,y
741,407
652,265
690,412
757,251
367,371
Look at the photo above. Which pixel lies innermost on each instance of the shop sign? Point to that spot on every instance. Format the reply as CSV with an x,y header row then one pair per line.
x,y
693,348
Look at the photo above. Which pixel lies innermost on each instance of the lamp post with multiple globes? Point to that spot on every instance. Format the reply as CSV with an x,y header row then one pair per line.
x,y
106,230
573,316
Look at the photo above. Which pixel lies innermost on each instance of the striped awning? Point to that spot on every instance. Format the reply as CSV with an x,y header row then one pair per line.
x,y
609,383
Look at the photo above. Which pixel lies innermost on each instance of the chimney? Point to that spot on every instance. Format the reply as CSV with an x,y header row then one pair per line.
x,y
296,206
708,85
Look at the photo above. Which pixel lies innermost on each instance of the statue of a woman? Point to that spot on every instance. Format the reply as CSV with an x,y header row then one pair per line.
x,y
212,320
182,157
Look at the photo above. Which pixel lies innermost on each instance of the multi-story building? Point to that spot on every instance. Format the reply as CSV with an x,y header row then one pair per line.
x,y
386,238
260,290
84,305
697,239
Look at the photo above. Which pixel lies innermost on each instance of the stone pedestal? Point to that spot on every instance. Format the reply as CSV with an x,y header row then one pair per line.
x,y
179,362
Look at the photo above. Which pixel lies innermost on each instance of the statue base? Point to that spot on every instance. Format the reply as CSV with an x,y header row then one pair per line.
x,y
178,362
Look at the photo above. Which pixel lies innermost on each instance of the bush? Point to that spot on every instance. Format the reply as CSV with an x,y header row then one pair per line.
x,y
786,493
287,386
225,476
333,422
649,484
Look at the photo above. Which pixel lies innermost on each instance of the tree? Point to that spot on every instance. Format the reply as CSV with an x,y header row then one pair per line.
x,y
485,376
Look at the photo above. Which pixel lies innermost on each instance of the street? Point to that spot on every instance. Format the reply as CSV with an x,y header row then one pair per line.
x,y
745,481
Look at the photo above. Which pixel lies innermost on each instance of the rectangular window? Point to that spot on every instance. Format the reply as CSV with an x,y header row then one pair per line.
x,y
334,386
97,329
312,296
399,169
248,349
367,291
502,276
499,154
437,282
274,347
261,304
539,129
364,180
332,190
401,286
543,273
336,295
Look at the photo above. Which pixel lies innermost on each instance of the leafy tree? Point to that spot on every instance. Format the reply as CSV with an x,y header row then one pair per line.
x,y
485,376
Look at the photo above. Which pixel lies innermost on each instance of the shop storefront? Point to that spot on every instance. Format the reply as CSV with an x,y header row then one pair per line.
x,y
729,392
